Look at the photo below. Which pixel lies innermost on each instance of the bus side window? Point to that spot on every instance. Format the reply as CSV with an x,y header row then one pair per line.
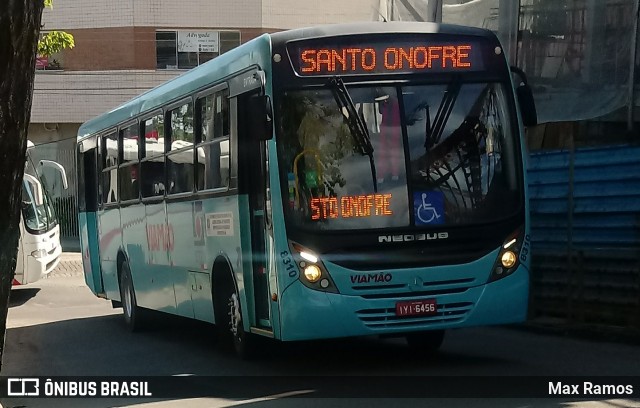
x,y
99,170
153,164
87,192
110,168
180,167
213,152
128,172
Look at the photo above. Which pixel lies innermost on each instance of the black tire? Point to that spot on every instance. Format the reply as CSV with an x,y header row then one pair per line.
x,y
230,331
427,341
132,313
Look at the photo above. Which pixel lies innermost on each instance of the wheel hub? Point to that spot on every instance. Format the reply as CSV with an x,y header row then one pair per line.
x,y
127,301
234,314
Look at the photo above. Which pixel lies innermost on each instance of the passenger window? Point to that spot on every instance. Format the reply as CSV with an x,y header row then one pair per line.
x,y
153,177
154,136
110,150
152,180
109,174
213,165
129,137
129,182
180,168
181,126
214,116
128,171
213,151
110,185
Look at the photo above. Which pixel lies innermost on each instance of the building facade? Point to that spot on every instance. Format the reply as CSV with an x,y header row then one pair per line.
x,y
125,47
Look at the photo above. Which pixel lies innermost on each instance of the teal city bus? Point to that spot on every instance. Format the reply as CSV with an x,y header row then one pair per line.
x,y
343,180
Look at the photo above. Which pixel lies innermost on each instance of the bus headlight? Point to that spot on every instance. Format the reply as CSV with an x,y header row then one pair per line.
x,y
507,261
39,253
312,273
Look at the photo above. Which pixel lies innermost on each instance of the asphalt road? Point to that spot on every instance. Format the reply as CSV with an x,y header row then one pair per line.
x,y
56,327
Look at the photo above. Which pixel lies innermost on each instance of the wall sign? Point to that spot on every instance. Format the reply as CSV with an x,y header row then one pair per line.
x,y
198,41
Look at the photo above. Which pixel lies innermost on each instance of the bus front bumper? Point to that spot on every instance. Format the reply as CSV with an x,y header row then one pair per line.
x,y
309,314
38,267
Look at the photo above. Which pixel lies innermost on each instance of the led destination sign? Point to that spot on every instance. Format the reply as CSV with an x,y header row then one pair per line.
x,y
379,58
351,206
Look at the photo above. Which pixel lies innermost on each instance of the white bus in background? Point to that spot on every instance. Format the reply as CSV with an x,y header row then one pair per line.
x,y
39,246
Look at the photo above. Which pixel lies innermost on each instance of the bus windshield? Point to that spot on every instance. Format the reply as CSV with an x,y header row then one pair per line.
x,y
443,155
37,218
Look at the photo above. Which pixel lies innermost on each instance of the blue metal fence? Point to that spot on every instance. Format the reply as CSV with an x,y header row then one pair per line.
x,y
585,215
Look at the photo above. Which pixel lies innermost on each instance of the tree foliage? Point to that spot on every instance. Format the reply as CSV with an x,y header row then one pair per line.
x,y
54,42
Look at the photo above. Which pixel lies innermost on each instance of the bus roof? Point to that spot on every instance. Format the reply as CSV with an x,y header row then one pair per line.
x,y
394,27
249,53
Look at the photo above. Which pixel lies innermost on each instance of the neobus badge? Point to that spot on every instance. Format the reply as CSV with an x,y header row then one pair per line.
x,y
413,237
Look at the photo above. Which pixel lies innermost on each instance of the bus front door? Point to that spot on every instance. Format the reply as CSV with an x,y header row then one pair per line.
x,y
88,190
253,181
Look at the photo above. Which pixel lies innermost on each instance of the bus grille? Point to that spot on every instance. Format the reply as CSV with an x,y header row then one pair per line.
x,y
432,288
386,318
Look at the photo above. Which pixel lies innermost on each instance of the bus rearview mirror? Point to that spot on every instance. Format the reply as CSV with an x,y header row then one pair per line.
x,y
262,112
527,105
57,166
525,99
35,188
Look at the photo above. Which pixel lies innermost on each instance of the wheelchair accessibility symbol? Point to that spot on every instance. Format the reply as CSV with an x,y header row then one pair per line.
x,y
428,207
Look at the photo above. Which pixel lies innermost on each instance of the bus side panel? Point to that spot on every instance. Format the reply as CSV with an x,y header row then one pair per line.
x,y
87,223
190,271
222,235
157,292
110,235
133,238
181,257
244,276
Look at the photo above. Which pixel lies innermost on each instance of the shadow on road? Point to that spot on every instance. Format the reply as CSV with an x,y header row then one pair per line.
x,y
20,296
102,346
174,346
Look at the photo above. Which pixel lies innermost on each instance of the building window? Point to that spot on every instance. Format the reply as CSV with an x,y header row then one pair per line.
x,y
185,49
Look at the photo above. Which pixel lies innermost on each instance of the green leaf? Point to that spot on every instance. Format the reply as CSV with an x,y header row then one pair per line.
x,y
54,42
48,3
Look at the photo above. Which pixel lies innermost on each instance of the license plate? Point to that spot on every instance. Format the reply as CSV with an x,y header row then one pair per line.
x,y
423,307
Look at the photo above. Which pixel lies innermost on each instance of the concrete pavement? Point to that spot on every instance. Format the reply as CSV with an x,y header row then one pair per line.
x,y
70,265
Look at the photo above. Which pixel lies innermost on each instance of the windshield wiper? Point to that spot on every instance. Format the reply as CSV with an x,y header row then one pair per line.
x,y
356,125
434,133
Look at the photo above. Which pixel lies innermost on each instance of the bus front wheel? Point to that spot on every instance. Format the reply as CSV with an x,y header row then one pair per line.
x,y
229,323
131,311
427,341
